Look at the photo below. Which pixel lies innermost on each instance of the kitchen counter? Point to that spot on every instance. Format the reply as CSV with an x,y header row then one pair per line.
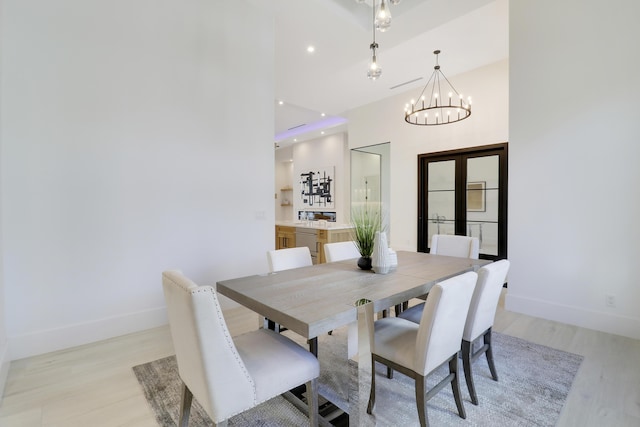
x,y
315,225
291,234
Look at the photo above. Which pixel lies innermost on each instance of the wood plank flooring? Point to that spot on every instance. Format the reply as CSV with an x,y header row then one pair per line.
x,y
93,385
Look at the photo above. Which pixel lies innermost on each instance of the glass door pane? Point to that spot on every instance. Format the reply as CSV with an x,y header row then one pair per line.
x,y
365,178
482,198
464,192
441,198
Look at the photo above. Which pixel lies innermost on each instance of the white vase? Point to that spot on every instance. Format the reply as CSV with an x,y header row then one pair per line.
x,y
393,259
380,256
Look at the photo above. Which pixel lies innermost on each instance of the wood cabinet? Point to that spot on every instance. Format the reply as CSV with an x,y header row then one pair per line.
x,y
331,236
285,237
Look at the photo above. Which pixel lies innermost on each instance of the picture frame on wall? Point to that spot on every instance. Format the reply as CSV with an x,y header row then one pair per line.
x,y
476,196
317,187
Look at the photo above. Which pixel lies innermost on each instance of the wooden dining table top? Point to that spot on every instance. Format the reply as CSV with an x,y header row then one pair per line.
x,y
320,298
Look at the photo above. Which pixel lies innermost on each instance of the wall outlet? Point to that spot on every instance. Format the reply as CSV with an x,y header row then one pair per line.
x,y
610,300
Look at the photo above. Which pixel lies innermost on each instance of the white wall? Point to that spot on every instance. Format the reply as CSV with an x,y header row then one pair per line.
x,y
384,121
123,154
574,202
326,151
4,345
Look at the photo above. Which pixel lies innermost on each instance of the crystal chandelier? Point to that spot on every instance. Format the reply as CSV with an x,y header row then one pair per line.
x,y
444,104
374,69
382,20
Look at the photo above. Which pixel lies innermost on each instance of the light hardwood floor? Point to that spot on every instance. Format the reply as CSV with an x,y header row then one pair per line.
x,y
93,385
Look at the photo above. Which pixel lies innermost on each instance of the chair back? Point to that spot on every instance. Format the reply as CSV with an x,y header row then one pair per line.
x,y
443,320
340,251
482,310
286,259
208,362
458,246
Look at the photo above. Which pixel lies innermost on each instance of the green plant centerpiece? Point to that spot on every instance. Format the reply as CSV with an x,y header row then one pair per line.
x,y
366,220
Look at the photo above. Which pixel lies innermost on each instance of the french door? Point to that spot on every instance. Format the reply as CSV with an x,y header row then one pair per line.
x,y
464,192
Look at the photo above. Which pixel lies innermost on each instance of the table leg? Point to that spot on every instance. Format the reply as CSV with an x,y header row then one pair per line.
x,y
360,369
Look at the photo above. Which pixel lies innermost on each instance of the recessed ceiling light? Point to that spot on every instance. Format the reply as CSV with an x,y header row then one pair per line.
x,y
295,139
311,49
280,102
323,114
322,133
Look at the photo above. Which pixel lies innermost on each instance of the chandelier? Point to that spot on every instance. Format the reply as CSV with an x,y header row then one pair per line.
x,y
381,22
439,102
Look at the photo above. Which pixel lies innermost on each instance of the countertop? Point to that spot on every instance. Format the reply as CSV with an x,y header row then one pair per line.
x,y
315,225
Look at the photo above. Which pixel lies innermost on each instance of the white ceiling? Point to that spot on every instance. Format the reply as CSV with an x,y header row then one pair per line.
x,y
333,79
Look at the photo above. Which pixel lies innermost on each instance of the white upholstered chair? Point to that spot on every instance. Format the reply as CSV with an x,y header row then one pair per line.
x,y
448,245
482,313
417,349
230,375
479,321
458,246
339,251
286,259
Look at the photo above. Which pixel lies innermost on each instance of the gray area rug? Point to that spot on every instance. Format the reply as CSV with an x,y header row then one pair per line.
x,y
534,382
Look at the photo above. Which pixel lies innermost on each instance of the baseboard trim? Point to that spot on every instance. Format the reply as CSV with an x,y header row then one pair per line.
x,y
5,361
611,323
84,333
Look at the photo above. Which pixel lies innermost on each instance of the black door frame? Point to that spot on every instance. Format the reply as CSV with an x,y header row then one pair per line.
x,y
502,150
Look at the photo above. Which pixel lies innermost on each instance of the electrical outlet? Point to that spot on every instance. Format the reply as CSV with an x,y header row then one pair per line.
x,y
610,300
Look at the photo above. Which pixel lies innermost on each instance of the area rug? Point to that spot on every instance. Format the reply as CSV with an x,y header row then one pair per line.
x,y
534,382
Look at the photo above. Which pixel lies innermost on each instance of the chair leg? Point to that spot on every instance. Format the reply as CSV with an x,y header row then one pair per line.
x,y
389,373
467,348
489,354
372,394
398,309
313,346
455,385
185,406
312,401
421,402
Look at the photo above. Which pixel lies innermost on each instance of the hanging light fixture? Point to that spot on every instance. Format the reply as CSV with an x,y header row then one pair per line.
x,y
382,19
444,104
374,69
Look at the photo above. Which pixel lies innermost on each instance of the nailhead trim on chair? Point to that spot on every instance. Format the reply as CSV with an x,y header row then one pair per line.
x,y
229,340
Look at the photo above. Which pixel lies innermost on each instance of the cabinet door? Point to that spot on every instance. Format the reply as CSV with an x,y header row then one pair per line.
x,y
285,237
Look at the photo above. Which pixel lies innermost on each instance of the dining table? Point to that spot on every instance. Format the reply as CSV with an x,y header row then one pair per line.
x,y
318,299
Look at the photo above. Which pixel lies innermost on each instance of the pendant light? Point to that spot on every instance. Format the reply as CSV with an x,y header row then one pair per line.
x,y
374,69
382,19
